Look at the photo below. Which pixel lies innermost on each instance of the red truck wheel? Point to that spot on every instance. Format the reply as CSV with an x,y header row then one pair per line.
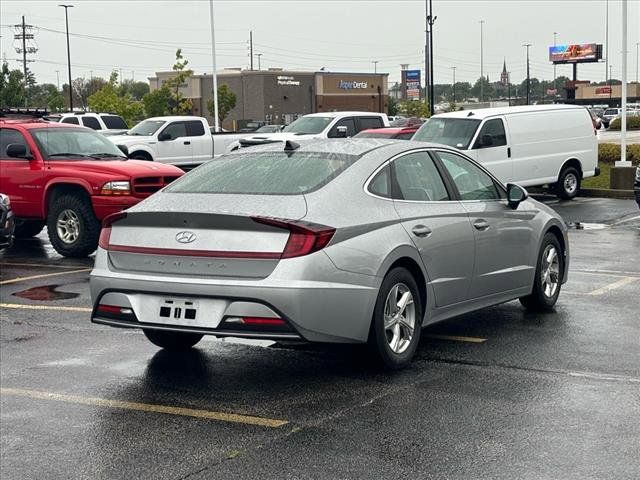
x,y
72,226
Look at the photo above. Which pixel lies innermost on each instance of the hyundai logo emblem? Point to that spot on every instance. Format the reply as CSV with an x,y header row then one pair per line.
x,y
185,237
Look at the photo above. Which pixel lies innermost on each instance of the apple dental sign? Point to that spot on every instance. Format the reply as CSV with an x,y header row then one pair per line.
x,y
350,85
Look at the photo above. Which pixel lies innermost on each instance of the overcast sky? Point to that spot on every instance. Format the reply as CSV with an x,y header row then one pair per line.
x,y
140,37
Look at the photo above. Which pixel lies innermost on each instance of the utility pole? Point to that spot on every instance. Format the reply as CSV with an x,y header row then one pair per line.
x,y
58,77
454,84
554,65
623,93
432,20
215,76
481,61
509,86
258,55
24,33
606,44
610,83
527,45
251,48
637,49
375,65
427,74
66,16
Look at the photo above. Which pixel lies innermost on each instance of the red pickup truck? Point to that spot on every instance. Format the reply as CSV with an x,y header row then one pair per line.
x,y
70,178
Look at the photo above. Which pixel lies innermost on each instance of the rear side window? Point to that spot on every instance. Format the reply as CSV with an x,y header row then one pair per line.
x,y
72,120
417,179
176,130
91,122
9,136
370,122
114,122
194,128
381,183
495,129
265,173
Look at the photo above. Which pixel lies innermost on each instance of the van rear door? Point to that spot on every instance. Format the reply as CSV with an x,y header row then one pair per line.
x,y
492,150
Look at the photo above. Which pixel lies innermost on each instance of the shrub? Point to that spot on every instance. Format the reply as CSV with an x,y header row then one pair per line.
x,y
610,152
633,123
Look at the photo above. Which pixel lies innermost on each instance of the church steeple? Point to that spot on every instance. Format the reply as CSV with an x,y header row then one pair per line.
x,y
504,76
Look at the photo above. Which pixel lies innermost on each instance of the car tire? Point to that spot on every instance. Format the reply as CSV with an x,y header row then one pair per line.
x,y
141,156
174,341
28,228
568,184
395,329
548,277
72,226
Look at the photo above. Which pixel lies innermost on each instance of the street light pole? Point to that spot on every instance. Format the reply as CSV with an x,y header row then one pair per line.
x,y
66,17
432,20
609,82
481,62
454,84
375,65
527,45
606,42
623,93
554,65
258,55
216,121
637,48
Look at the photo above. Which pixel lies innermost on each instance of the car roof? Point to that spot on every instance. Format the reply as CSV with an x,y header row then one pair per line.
x,y
481,113
345,114
392,130
38,123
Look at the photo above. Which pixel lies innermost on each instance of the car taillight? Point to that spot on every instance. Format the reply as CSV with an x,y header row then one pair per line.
x,y
304,237
105,233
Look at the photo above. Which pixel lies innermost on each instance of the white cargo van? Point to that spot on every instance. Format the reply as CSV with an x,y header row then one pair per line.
x,y
529,145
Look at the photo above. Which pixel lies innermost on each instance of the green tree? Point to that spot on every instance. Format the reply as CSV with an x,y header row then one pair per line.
x,y
487,89
392,107
179,105
414,108
226,102
107,100
46,95
156,103
136,89
12,91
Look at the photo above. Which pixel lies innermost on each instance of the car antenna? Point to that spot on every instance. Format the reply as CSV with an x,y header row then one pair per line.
x,y
470,114
290,146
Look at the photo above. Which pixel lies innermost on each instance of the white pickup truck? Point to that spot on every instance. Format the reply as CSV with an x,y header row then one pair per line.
x,y
318,125
184,141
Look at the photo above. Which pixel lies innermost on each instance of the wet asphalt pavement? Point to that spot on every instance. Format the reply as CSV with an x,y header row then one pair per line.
x,y
499,393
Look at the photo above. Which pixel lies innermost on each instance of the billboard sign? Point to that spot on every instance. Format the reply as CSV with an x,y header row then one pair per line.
x,y
411,79
603,91
575,53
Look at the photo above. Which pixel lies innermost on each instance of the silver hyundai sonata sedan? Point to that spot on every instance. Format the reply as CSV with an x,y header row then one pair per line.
x,y
360,240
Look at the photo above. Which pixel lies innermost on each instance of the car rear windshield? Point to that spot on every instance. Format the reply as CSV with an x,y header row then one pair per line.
x,y
455,132
265,173
114,122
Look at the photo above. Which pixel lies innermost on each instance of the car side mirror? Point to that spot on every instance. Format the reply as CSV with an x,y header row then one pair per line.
x,y
341,131
124,149
516,195
17,150
164,136
487,140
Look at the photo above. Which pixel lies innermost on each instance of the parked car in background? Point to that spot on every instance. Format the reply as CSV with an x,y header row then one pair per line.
x,y
69,178
7,222
252,126
105,123
259,244
396,133
609,114
636,186
184,141
318,125
407,122
270,129
534,145
595,119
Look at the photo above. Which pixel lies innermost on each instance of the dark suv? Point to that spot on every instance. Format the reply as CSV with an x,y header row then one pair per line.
x,y
636,185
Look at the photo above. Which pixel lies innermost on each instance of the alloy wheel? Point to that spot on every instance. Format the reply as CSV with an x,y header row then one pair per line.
x,y
570,183
399,318
550,274
68,226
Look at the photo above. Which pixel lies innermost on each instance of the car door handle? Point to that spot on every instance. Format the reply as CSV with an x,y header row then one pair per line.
x,y
509,152
481,225
187,143
421,231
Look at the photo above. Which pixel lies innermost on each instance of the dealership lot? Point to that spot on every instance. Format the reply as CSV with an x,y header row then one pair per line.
x,y
500,393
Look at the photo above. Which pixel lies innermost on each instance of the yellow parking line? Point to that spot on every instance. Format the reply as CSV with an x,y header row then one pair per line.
x,y
612,286
39,265
45,275
146,407
456,338
44,307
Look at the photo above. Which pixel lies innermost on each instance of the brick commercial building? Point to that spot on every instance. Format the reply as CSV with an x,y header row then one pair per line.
x,y
279,96
586,94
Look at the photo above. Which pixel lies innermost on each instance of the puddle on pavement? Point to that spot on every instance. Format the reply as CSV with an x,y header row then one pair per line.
x,y
67,362
45,293
587,226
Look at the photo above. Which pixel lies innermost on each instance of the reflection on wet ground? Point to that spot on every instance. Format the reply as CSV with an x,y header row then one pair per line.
x,y
45,293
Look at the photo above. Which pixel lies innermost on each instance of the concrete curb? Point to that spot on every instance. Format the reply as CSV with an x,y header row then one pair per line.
x,y
606,193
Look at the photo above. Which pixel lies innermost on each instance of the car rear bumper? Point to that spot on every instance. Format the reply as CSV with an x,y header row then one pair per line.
x,y
336,311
